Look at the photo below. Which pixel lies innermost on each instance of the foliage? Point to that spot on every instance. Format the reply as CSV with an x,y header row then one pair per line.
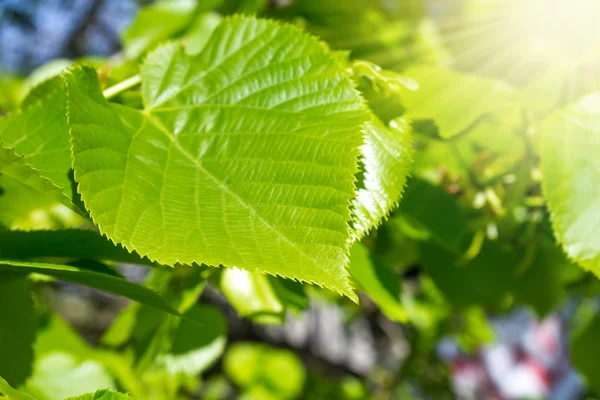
x,y
256,157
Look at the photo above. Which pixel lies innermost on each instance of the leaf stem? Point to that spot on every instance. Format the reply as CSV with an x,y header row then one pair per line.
x,y
122,86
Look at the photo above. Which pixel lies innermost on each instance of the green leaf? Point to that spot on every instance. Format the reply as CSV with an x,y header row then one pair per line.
x,y
569,149
18,326
454,100
40,134
103,395
58,375
25,196
199,33
585,352
76,244
247,159
387,156
196,347
96,280
58,337
163,20
280,371
541,285
11,393
252,296
485,280
432,213
379,282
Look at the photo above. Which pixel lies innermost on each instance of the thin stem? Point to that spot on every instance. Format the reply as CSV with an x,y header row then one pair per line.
x,y
122,86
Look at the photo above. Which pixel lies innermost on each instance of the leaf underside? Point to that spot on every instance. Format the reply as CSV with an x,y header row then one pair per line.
x,y
245,155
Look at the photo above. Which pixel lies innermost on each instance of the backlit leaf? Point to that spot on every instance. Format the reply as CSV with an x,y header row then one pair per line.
x,y
245,155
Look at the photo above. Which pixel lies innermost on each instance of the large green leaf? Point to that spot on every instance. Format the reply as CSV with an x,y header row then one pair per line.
x,y
454,100
40,134
18,325
387,156
245,155
569,148
96,280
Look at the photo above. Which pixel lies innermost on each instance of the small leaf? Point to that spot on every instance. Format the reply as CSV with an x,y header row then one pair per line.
x,y
59,375
196,346
162,20
252,296
18,326
387,156
379,282
569,148
247,159
280,371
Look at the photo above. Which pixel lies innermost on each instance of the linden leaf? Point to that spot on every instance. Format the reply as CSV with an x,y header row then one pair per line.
x,y
245,155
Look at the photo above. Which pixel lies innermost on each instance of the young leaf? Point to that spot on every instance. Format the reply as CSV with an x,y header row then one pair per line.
x,y
454,100
244,156
18,325
387,156
96,280
569,148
